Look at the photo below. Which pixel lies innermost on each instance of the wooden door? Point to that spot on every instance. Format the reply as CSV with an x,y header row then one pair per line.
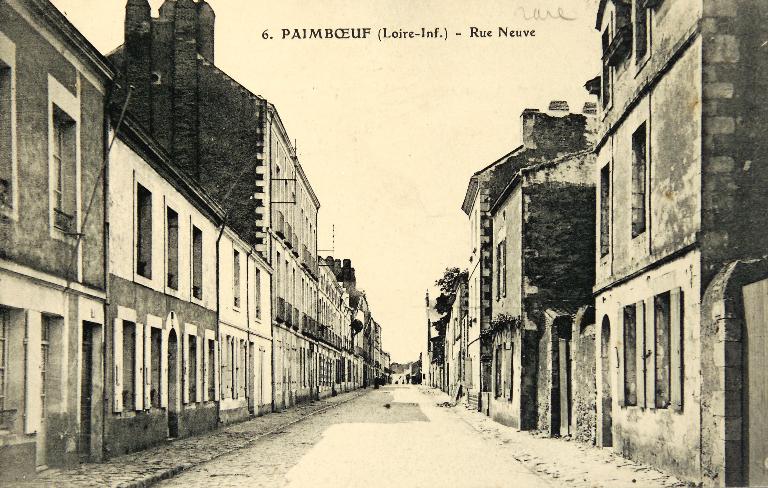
x,y
86,392
756,382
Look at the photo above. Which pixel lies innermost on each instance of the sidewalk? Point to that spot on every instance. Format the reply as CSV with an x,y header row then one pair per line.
x,y
564,462
144,468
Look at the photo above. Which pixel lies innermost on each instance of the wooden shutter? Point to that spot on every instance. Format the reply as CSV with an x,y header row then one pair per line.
x,y
185,367
676,369
206,368
138,368
507,372
147,366
650,356
619,354
33,380
641,370
117,367
217,370
164,376
198,379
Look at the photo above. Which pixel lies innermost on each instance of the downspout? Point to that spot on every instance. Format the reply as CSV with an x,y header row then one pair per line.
x,y
249,360
218,309
107,291
268,122
105,203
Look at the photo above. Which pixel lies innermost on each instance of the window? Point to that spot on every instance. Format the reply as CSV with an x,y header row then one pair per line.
x,y
257,294
630,355
236,278
607,87
129,365
5,325
497,390
143,232
605,210
63,162
241,369
6,138
192,361
232,368
197,263
663,365
641,31
172,221
502,258
511,371
638,180
211,369
156,359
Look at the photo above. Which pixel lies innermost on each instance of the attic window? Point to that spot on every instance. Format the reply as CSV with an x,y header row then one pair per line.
x,y
619,46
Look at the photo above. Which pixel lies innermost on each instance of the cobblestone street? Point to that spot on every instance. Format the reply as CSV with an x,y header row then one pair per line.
x,y
397,436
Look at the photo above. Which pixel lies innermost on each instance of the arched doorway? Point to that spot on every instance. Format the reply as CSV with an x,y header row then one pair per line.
x,y
173,379
606,422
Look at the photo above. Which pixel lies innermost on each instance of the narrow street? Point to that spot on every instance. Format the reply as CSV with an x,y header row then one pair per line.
x,y
395,436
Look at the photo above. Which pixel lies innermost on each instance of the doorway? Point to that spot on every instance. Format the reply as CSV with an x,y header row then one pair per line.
x,y
755,336
606,422
173,378
565,386
86,392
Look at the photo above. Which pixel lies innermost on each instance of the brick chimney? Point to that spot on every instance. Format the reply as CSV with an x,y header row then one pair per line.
x,y
205,31
138,47
161,62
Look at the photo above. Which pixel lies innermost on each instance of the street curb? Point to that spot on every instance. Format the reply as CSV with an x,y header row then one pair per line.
x,y
180,468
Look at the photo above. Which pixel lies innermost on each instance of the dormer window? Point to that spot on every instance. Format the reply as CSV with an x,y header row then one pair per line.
x,y
618,46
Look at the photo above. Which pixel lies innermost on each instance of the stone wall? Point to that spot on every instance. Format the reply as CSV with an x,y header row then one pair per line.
x,y
583,367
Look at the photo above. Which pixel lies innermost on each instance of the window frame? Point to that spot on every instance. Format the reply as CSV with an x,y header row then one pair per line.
x,y
62,101
639,180
10,209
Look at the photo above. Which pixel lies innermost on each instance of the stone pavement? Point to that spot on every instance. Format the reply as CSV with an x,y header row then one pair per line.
x,y
144,468
565,461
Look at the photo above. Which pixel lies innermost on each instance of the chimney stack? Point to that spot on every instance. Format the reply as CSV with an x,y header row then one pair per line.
x,y
553,134
527,123
205,31
138,48
559,106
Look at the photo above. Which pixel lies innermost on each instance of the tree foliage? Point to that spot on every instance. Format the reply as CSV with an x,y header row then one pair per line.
x,y
448,284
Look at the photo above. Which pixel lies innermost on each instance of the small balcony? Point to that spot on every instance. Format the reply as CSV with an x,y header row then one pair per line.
x,y
296,317
288,314
295,244
279,224
280,310
620,46
288,235
63,221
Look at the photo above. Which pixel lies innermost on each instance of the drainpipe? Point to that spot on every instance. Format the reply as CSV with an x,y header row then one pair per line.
x,y
218,307
105,184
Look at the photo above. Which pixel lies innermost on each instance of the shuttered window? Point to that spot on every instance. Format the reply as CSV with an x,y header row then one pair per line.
x,y
630,355
129,365
172,221
605,210
143,232
639,155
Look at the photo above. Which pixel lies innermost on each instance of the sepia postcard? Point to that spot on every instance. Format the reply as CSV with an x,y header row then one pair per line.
x,y
384,243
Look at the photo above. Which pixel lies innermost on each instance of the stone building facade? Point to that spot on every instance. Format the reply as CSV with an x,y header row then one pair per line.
x,y
543,272
545,135
680,220
53,282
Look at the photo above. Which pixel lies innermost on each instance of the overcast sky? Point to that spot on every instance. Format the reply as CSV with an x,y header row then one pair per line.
x,y
389,133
